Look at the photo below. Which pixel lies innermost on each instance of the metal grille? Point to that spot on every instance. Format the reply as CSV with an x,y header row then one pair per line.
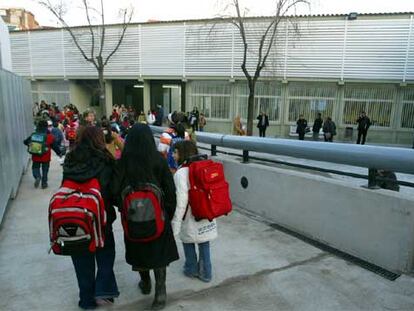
x,y
16,124
211,98
407,115
51,92
309,100
60,98
377,102
267,99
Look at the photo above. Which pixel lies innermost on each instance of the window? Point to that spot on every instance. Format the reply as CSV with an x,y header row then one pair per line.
x,y
377,102
211,98
309,100
51,92
267,98
60,98
407,114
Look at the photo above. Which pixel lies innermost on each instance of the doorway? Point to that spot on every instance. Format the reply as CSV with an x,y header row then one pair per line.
x,y
170,95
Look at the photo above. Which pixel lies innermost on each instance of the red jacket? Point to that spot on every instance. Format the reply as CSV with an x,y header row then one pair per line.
x,y
46,157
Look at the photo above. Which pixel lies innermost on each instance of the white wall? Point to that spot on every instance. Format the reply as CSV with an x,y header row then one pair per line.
x,y
5,52
369,48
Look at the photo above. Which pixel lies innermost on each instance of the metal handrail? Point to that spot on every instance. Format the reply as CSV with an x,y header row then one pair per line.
x,y
371,157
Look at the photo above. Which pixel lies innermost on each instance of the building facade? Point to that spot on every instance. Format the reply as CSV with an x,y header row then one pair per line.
x,y
327,64
19,19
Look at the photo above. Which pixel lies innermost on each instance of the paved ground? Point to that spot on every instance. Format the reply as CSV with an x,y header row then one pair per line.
x,y
255,268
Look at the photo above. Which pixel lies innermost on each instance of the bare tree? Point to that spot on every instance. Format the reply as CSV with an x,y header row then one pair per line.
x,y
267,42
96,35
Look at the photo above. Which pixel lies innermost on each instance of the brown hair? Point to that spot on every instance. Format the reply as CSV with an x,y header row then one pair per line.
x,y
185,149
92,137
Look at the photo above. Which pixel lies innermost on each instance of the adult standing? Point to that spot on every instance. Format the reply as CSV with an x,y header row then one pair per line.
x,y
262,124
317,125
90,159
363,125
238,126
159,116
329,129
301,125
142,163
194,117
202,122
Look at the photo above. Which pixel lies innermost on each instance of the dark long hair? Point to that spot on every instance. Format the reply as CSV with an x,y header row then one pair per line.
x,y
140,155
108,136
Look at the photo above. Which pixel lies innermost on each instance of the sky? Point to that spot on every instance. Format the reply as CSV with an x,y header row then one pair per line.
x,y
145,10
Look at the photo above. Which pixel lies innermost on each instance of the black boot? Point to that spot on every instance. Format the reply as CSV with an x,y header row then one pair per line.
x,y
160,289
145,283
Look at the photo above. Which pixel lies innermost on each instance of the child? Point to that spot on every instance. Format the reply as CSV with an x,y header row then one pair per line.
x,y
41,155
191,232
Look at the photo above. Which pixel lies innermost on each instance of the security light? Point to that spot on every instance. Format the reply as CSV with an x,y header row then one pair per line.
x,y
167,86
138,86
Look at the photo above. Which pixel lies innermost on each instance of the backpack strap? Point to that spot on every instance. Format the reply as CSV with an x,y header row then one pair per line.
x,y
185,214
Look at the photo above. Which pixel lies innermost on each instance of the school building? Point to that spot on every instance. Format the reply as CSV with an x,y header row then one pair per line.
x,y
337,65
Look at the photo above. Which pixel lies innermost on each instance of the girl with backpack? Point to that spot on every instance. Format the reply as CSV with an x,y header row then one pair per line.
x,y
90,159
191,232
141,164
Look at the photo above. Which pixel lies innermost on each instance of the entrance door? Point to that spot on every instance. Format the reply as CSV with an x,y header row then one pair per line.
x,y
167,94
171,98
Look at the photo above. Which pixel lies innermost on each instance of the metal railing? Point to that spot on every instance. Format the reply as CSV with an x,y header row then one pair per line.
x,y
16,123
373,158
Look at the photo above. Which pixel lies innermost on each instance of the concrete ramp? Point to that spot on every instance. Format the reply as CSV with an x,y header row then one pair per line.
x,y
255,268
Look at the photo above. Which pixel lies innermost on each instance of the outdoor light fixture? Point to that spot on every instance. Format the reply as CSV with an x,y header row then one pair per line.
x,y
352,16
139,86
167,86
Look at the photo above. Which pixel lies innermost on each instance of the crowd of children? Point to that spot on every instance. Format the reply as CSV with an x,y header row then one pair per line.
x,y
115,164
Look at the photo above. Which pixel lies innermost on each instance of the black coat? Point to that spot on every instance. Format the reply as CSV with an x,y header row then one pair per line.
x,y
301,126
363,123
158,253
317,124
82,164
260,118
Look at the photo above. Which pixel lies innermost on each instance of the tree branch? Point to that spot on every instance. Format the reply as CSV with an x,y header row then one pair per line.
x,y
124,28
85,3
58,15
103,30
243,35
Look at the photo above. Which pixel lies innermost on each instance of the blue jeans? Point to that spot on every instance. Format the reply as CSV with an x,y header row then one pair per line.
x,y
45,171
202,268
101,285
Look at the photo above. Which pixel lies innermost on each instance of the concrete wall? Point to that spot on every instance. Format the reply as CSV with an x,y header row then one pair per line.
x,y
374,225
81,97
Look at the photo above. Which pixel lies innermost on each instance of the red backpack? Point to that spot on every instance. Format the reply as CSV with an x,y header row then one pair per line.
x,y
208,196
71,133
77,218
142,213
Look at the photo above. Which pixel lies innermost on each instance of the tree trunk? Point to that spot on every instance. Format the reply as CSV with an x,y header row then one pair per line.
x,y
101,88
250,109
